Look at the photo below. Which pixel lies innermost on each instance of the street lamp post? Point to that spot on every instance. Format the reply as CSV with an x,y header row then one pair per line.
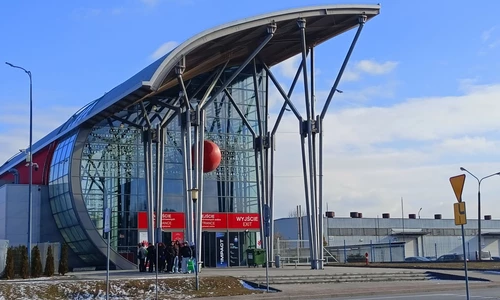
x,y
194,196
479,245
30,161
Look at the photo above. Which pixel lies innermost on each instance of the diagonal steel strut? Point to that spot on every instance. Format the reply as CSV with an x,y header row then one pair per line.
x,y
271,29
319,122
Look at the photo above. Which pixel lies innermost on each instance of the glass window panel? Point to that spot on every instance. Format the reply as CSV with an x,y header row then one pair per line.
x,y
64,220
173,203
72,220
174,187
76,233
69,234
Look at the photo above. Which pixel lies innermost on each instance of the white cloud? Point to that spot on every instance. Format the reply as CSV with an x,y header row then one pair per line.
x,y
350,75
490,38
288,68
374,68
486,35
381,91
14,126
370,67
375,155
164,49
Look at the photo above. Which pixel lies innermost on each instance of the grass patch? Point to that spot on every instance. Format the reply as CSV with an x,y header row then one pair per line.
x,y
168,288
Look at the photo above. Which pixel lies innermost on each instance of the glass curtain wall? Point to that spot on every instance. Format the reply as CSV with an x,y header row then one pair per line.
x,y
114,151
62,204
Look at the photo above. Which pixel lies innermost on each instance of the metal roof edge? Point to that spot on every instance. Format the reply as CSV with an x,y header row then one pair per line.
x,y
221,30
164,64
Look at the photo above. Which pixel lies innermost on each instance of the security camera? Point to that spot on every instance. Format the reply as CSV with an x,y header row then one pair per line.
x,y
35,166
246,230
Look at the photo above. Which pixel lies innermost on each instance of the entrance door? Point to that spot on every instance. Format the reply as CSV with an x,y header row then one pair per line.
x,y
208,254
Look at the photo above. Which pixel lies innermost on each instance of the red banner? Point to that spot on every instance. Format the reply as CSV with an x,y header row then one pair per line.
x,y
214,221
169,220
210,221
243,221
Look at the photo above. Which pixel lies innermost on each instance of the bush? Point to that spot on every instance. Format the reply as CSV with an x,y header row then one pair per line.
x,y
9,266
63,261
49,263
25,266
36,262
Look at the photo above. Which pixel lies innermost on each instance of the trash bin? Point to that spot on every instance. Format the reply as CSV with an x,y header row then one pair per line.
x,y
256,257
277,261
260,257
251,257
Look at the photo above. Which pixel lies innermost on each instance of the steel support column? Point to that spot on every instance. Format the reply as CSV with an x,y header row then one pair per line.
x,y
185,122
148,174
188,172
312,156
160,170
199,209
259,146
313,170
307,132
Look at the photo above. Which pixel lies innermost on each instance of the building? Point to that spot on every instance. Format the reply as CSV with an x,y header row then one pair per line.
x,y
129,151
407,237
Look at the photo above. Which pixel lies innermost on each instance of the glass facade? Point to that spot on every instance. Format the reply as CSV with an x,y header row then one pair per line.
x,y
61,202
112,165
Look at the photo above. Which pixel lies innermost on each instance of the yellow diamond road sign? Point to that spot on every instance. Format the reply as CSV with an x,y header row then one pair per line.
x,y
457,183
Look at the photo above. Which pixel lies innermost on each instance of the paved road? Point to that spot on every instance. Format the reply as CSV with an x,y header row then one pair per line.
x,y
476,294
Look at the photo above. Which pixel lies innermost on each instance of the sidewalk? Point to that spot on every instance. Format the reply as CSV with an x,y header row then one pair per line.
x,y
318,291
242,272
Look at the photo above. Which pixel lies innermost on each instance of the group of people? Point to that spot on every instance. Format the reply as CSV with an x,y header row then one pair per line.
x,y
174,257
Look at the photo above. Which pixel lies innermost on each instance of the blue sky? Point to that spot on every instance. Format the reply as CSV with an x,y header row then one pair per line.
x,y
420,93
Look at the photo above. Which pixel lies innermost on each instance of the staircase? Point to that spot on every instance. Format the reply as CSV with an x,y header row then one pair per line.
x,y
337,278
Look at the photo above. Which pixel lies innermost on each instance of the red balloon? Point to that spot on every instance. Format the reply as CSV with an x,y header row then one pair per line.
x,y
211,156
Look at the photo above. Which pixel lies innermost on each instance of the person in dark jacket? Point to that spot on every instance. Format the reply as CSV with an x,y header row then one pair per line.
x,y
142,254
170,256
186,255
178,257
151,258
161,257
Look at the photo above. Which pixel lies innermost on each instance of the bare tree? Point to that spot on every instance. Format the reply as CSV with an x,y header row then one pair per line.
x,y
294,213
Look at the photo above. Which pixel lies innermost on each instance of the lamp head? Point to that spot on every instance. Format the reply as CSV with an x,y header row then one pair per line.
x,y
194,194
9,64
462,169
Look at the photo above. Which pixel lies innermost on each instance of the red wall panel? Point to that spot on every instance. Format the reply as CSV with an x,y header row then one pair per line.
x,y
43,158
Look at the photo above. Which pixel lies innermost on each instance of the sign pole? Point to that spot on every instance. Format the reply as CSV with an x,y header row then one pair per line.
x,y
267,234
107,229
197,255
457,183
465,264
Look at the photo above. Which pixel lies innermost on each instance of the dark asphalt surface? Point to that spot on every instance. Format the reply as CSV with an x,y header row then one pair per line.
x,y
475,294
